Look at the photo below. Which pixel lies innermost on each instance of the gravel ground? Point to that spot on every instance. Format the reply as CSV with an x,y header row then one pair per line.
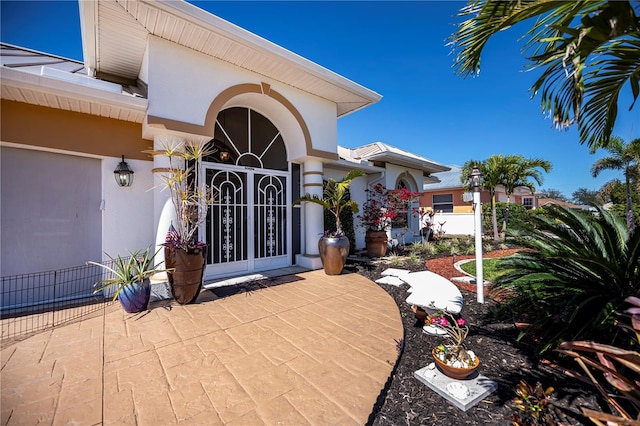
x,y
407,401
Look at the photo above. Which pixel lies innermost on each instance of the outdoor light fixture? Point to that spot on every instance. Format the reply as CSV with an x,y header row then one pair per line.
x,y
224,155
475,180
123,174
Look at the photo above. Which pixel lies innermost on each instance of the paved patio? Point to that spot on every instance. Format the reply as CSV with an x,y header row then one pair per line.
x,y
317,349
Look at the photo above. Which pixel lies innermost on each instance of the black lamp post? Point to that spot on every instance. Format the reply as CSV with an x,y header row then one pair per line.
x,y
123,174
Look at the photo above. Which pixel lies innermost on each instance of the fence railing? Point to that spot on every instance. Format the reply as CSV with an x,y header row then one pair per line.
x,y
37,301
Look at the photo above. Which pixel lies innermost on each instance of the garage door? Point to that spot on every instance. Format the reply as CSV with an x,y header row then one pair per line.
x,y
50,211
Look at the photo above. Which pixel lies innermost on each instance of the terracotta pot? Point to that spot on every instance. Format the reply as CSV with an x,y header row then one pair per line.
x,y
376,242
454,372
135,297
185,280
333,253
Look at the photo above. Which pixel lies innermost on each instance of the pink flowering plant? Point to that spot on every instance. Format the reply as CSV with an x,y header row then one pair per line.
x,y
454,353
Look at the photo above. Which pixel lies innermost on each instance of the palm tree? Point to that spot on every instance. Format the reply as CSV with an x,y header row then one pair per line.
x,y
492,171
623,157
517,171
335,197
589,51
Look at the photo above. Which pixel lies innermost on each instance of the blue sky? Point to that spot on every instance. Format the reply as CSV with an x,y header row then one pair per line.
x,y
399,50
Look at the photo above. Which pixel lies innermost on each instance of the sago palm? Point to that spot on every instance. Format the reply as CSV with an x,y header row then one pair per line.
x,y
579,271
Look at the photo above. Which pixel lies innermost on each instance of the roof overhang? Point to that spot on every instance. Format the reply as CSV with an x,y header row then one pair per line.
x,y
404,161
115,34
69,95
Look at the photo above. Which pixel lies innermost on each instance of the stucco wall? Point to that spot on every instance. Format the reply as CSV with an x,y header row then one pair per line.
x,y
127,213
184,83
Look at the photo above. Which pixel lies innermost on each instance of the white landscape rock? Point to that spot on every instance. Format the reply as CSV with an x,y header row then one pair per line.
x,y
433,292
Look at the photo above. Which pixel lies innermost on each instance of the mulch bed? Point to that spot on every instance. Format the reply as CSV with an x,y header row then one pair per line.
x,y
406,401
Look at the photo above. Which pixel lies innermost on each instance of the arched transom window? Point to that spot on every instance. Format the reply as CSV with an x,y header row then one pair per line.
x,y
244,137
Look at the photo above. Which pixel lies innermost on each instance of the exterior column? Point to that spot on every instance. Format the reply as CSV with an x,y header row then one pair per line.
x,y
163,211
313,215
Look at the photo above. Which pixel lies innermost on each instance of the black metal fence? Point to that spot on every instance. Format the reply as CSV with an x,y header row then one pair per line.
x,y
41,300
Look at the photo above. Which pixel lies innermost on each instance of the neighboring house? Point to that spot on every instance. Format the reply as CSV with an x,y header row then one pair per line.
x,y
393,168
544,202
453,202
158,70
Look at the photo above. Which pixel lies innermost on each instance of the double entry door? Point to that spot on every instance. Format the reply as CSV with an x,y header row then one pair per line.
x,y
247,226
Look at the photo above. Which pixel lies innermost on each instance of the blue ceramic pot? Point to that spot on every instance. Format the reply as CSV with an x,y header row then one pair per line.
x,y
135,297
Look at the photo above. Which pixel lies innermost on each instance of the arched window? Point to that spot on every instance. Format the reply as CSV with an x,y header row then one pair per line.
x,y
244,137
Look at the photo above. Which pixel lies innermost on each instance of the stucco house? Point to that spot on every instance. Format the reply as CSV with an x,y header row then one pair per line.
x,y
453,202
157,70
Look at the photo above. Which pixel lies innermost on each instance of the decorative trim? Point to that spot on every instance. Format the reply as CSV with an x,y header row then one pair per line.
x,y
312,173
312,184
208,129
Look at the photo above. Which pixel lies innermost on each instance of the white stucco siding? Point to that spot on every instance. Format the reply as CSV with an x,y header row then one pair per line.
x,y
183,84
127,213
393,173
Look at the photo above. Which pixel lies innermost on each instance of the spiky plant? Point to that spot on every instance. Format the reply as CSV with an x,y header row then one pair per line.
x,y
579,271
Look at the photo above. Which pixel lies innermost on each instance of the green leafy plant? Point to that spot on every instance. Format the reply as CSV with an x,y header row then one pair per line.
x,y
335,197
579,270
533,404
136,267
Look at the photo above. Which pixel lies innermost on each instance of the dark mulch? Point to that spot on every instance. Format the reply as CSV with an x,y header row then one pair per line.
x,y
407,401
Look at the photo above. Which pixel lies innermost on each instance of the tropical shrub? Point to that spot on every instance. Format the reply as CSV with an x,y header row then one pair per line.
x,y
581,268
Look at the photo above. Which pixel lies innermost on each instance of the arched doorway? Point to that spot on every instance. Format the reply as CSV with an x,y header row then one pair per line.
x,y
248,224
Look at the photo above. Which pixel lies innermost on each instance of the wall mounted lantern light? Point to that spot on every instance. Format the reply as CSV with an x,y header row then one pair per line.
x,y
224,155
475,180
123,174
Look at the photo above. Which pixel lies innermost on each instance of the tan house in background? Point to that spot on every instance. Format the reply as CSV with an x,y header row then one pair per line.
x,y
453,202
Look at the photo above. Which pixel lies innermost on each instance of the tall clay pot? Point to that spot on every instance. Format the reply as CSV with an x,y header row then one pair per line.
x,y
333,253
186,270
376,242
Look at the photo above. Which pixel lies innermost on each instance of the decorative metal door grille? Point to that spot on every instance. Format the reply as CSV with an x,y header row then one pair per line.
x,y
270,218
227,220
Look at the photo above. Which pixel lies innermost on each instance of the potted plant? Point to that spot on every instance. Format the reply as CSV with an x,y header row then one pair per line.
x,y
334,246
376,218
184,254
453,359
130,277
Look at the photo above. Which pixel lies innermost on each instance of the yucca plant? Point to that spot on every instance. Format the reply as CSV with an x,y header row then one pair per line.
x,y
135,268
581,267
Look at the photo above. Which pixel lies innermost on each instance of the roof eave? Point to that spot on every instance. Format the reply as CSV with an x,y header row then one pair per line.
x,y
401,160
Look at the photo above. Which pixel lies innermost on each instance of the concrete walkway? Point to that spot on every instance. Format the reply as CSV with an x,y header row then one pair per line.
x,y
315,350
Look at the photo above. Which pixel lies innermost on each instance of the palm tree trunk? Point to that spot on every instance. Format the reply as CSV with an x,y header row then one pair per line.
x,y
505,217
630,221
494,218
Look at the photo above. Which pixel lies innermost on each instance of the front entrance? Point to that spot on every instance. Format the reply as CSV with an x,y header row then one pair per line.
x,y
248,226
